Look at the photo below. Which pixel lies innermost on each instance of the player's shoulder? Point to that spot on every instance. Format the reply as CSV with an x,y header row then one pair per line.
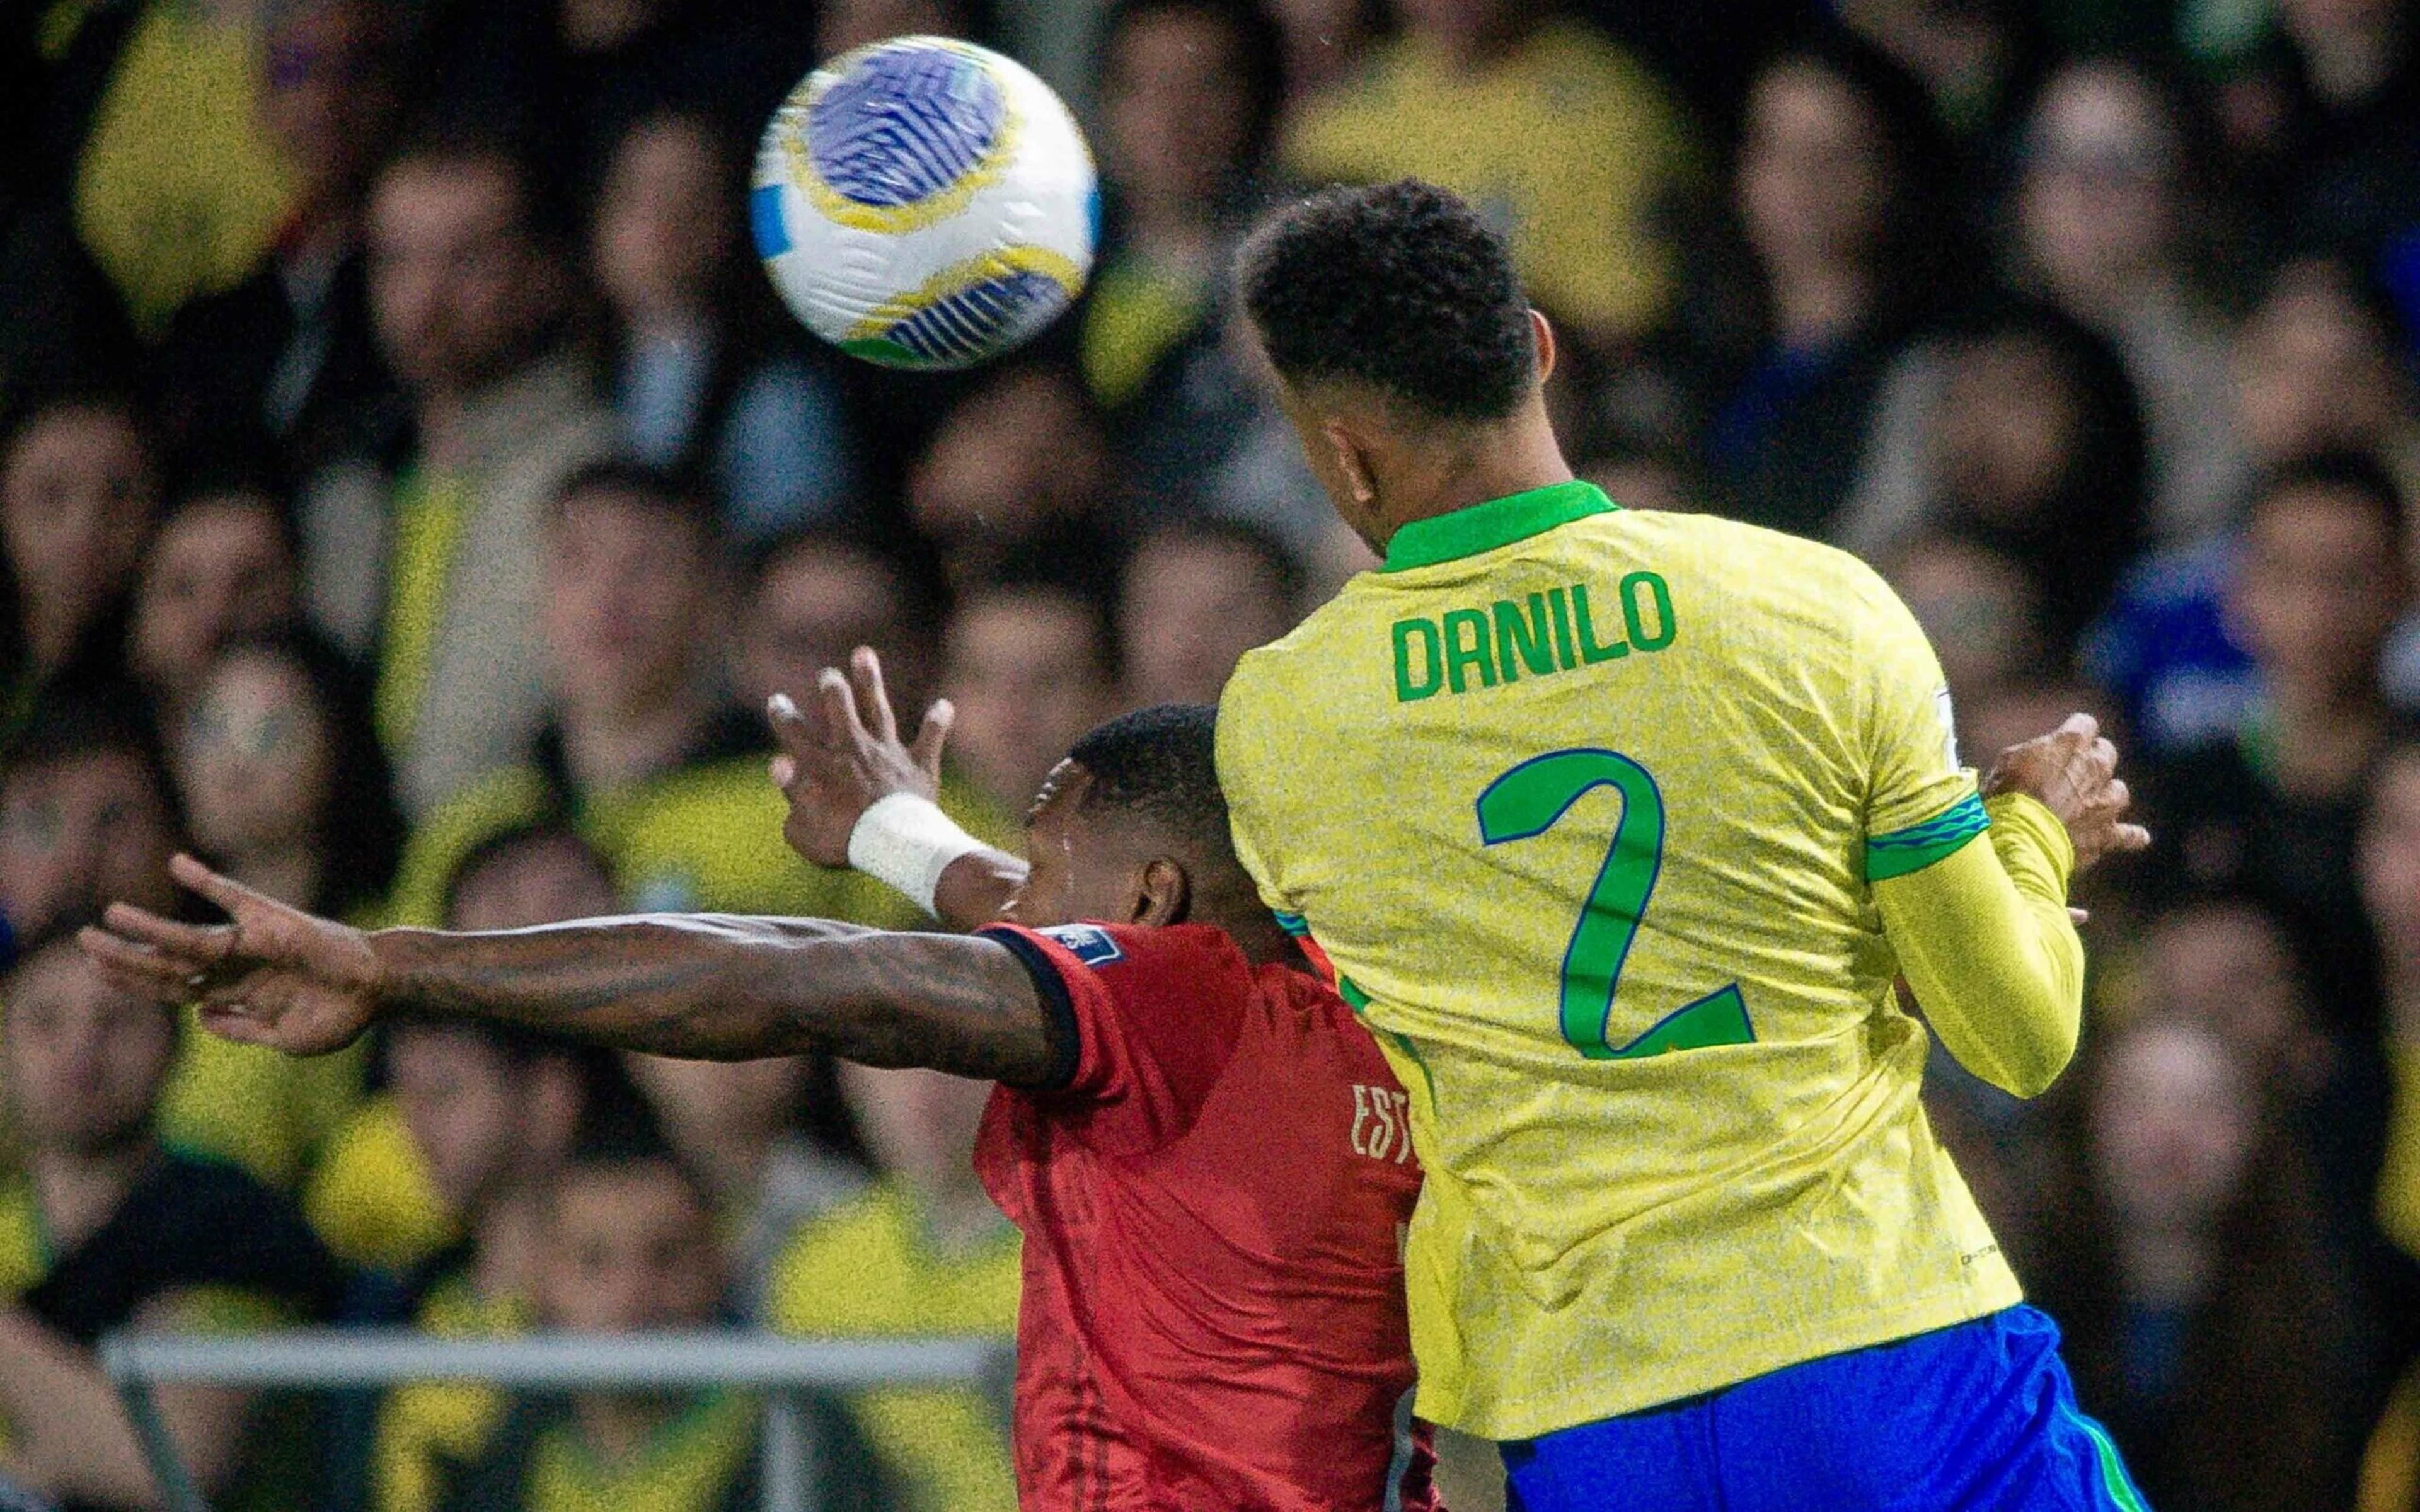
x,y
1754,566
1141,957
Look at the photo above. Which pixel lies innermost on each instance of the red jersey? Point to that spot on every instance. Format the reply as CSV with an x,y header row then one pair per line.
x,y
1213,1208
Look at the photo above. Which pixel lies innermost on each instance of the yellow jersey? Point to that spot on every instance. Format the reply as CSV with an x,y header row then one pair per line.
x,y
871,1269
1564,142
1587,806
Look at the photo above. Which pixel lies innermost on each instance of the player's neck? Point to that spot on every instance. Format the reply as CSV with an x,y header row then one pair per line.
x,y
1475,466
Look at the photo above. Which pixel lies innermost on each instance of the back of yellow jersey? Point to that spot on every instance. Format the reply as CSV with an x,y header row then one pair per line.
x,y
1584,805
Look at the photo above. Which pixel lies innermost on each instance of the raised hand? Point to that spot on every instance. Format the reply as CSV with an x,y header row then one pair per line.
x,y
273,975
2073,772
838,759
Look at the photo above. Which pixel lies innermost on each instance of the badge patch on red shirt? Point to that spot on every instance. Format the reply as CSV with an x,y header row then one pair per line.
x,y
1088,942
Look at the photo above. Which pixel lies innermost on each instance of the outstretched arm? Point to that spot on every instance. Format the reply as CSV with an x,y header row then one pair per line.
x,y
703,987
843,755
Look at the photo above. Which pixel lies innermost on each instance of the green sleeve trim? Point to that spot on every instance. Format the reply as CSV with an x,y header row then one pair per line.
x,y
1918,846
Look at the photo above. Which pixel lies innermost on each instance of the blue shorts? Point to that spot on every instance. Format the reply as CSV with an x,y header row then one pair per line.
x,y
1980,1415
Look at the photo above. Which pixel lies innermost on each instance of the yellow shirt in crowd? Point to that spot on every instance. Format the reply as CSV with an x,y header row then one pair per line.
x,y
870,1268
179,191
1565,142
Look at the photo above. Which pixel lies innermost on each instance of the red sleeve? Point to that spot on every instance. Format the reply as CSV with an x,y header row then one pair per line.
x,y
1147,1019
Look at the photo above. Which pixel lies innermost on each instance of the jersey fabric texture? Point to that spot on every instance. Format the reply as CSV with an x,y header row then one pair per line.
x,y
1590,807
1976,1417
1213,1312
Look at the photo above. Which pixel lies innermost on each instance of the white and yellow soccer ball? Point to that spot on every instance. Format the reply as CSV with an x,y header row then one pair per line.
x,y
924,203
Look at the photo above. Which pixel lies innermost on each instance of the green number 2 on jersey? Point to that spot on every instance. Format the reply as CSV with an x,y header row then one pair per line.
x,y
1527,801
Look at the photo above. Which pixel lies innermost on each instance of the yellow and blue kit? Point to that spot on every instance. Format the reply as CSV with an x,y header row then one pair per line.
x,y
1617,826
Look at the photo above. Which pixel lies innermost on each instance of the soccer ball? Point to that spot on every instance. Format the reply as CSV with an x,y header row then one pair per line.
x,y
924,203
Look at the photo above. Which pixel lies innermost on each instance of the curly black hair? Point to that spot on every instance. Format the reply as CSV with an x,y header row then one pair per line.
x,y
1402,287
1160,763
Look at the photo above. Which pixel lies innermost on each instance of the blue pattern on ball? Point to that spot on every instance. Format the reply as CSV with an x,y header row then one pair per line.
x,y
967,326
905,124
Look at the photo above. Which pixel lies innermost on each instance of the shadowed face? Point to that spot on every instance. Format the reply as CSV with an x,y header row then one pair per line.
x,y
83,1061
217,572
630,1248
1081,869
79,832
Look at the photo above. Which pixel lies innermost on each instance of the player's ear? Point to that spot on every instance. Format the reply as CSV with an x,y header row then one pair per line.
x,y
1164,896
1352,460
1542,332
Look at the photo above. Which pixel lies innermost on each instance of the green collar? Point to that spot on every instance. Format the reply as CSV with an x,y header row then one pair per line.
x,y
1483,527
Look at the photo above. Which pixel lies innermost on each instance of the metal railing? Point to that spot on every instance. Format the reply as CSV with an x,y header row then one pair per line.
x,y
358,1359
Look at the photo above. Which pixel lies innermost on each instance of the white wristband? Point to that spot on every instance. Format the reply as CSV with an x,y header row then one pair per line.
x,y
905,842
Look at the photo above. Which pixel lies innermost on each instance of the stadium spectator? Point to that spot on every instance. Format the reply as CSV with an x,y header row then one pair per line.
x,y
1194,598
1029,663
1836,188
921,1251
842,25
1326,40
1572,145
742,1127
285,357
106,1228
149,126
2109,197
79,491
282,782
374,1198
2318,369
493,1114
1018,464
434,561
2339,83
1189,97
660,775
221,568
811,597
2032,442
2209,1324
2321,582
704,382
2234,966
1191,89
629,1246
1977,61
86,816
1981,608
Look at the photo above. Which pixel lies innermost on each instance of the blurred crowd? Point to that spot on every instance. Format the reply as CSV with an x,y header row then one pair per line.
x,y
410,491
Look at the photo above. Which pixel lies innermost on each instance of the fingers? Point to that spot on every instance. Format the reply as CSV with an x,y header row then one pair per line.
x,y
784,770
229,894
2080,724
2131,838
230,1022
836,706
791,730
931,734
195,945
865,674
136,968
